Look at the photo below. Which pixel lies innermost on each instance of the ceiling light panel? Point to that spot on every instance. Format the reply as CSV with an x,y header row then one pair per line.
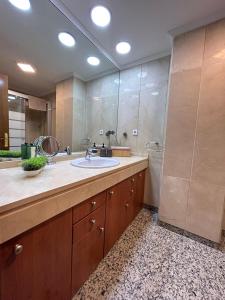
x,y
100,16
26,67
66,39
123,48
21,4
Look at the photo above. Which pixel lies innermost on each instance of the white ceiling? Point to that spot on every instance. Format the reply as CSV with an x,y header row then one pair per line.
x,y
32,37
143,23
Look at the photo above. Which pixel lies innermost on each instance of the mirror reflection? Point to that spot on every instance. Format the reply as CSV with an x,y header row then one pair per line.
x,y
46,82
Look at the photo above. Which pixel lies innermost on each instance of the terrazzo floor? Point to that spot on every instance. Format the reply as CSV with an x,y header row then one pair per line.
x,y
152,262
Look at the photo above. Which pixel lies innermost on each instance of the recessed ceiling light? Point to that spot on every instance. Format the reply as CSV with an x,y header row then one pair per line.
x,y
66,39
123,48
21,4
101,16
26,68
94,61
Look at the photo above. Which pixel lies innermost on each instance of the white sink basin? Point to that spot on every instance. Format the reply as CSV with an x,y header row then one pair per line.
x,y
95,162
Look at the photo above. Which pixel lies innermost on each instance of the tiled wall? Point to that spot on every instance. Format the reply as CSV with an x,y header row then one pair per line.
x,y
102,107
71,113
193,186
133,99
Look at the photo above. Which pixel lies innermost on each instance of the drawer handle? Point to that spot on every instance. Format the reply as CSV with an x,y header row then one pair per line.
x,y
133,180
93,221
111,192
18,249
102,229
140,175
93,203
126,205
132,191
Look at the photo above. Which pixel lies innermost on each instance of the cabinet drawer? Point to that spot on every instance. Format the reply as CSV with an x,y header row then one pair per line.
x,y
90,227
85,208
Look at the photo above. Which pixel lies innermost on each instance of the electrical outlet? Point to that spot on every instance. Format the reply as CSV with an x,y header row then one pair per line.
x,y
135,132
101,132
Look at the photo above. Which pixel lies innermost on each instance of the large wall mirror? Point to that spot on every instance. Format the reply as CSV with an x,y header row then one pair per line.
x,y
47,88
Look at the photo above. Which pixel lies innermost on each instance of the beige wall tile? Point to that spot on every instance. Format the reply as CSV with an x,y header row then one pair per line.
x,y
173,201
64,112
188,50
209,155
181,123
155,73
215,42
205,210
130,80
155,171
152,112
128,118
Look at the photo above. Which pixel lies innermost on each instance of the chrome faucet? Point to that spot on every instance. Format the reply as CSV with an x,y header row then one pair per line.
x,y
91,151
68,150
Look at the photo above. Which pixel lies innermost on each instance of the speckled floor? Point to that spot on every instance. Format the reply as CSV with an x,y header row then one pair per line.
x,y
152,262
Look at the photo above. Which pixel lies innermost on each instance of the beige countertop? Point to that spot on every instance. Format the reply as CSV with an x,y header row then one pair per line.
x,y
18,190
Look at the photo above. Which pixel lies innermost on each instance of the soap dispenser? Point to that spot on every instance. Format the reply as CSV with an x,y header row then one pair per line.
x,y
103,151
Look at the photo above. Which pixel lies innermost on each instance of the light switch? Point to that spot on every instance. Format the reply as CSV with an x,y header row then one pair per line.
x,y
101,132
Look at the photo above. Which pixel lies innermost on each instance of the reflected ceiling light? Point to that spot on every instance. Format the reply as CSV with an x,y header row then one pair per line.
x,y
21,4
26,68
101,16
66,39
155,93
92,60
11,97
123,48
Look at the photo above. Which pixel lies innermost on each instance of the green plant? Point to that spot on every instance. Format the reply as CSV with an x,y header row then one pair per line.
x,y
10,153
34,163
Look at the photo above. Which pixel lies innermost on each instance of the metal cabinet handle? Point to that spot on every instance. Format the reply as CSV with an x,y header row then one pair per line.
x,y
126,205
93,203
132,191
111,192
93,221
133,180
140,175
18,249
102,229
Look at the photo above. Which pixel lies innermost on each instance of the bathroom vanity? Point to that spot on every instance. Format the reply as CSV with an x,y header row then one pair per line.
x,y
61,224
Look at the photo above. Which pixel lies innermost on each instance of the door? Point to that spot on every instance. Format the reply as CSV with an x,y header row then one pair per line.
x,y
37,264
4,113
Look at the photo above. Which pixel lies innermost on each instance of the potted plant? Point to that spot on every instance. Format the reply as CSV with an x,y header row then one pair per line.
x,y
34,165
9,155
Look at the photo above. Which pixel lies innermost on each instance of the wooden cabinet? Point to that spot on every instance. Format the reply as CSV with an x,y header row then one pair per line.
x,y
139,191
37,264
88,246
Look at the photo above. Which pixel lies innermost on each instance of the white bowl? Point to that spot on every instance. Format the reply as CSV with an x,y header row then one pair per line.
x,y
32,173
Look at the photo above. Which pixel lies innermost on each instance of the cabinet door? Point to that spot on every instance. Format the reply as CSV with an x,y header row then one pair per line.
x,y
88,246
139,195
119,212
127,202
113,226
37,264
